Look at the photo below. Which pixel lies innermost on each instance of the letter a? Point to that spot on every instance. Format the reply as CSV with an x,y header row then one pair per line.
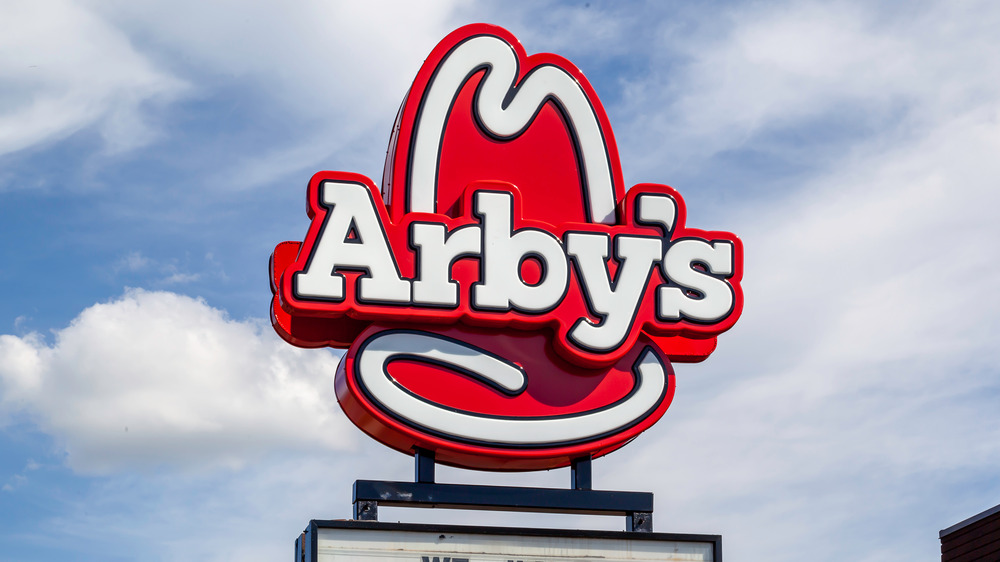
x,y
351,238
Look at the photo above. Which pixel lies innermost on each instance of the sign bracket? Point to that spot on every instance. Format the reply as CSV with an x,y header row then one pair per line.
x,y
581,498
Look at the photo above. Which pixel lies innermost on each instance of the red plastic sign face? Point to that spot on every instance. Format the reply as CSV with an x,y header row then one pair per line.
x,y
505,303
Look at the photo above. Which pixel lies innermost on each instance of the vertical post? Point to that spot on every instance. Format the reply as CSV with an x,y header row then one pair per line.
x,y
423,465
581,475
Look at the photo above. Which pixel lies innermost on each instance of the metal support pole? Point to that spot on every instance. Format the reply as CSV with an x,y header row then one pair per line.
x,y
581,474
423,461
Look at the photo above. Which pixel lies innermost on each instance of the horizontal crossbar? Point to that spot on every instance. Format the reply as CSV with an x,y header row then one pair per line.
x,y
502,498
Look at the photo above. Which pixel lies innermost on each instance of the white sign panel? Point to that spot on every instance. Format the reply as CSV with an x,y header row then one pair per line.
x,y
337,541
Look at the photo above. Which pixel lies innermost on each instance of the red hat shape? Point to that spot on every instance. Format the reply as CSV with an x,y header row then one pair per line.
x,y
505,303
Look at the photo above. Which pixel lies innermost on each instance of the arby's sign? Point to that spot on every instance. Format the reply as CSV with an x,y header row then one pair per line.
x,y
504,301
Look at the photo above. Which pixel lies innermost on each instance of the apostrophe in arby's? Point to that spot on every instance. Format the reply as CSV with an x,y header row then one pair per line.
x,y
504,301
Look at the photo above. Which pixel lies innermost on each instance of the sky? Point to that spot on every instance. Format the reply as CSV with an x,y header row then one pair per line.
x,y
152,154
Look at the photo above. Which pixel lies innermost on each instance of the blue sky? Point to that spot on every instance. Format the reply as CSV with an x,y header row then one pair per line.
x,y
153,153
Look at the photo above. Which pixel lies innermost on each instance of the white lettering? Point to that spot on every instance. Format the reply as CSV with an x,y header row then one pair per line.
x,y
716,295
437,253
657,209
615,302
505,108
351,238
613,269
502,287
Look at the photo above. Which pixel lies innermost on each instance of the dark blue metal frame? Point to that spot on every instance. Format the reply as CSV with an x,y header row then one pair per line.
x,y
581,498
306,544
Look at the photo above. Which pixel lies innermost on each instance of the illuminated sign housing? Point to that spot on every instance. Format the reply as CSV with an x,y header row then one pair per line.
x,y
335,541
504,301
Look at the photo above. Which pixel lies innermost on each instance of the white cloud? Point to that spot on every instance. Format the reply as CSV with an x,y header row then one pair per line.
x,y
336,70
563,28
20,321
14,483
181,278
167,272
755,69
156,378
132,262
252,514
319,57
859,390
340,68
18,480
65,69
